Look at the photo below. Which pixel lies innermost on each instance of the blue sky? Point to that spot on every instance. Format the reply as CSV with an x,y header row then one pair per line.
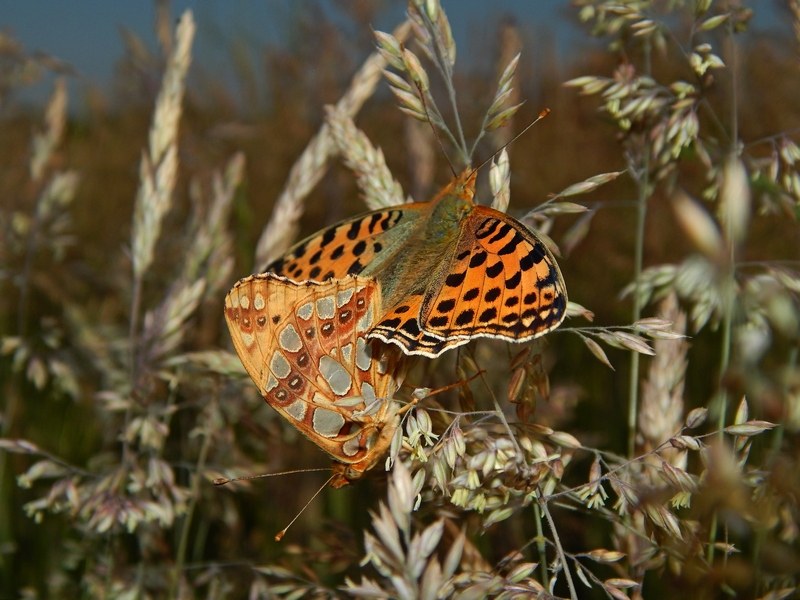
x,y
86,33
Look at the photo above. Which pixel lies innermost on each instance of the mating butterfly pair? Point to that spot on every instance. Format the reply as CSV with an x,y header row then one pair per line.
x,y
426,277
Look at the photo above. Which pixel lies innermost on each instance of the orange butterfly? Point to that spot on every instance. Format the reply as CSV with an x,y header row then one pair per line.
x,y
449,270
305,346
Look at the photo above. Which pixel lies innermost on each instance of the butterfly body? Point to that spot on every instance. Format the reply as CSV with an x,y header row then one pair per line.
x,y
449,270
304,345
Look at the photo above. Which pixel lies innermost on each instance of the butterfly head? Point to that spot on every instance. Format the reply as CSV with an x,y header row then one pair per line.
x,y
462,187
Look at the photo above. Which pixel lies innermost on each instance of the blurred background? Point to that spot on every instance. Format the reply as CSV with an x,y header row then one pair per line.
x,y
261,74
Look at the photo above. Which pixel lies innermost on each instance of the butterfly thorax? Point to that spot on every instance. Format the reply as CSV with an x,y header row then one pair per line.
x,y
427,251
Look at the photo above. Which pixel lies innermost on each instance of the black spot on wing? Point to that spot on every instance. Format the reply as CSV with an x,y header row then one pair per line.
x,y
337,252
373,220
390,323
495,269
411,327
353,230
477,259
551,279
355,268
471,294
446,306
512,245
455,279
492,295
277,266
392,218
532,258
438,322
487,228
465,317
513,281
502,232
300,250
328,236
488,315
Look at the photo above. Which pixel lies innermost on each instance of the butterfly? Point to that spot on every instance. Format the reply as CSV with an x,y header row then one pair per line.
x,y
304,346
450,270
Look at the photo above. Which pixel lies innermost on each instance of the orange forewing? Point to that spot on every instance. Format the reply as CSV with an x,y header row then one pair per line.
x,y
449,270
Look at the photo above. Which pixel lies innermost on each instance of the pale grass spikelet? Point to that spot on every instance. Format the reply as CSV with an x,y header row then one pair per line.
x,y
484,469
734,204
42,228
794,7
211,244
158,168
500,181
507,94
662,407
45,143
310,167
377,185
164,327
465,479
698,225
502,109
583,187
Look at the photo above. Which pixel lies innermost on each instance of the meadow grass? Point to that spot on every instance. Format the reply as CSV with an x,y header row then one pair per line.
x,y
649,453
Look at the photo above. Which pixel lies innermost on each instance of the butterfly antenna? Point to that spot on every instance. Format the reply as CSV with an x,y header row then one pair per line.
x,y
282,532
456,384
542,115
219,481
435,133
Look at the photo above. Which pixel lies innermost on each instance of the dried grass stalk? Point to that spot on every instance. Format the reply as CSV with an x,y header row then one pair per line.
x,y
310,167
378,186
510,44
662,407
159,164
45,143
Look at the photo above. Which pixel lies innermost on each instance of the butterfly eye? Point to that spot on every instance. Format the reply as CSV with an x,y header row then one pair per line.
x,y
310,333
344,316
327,329
302,360
261,321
